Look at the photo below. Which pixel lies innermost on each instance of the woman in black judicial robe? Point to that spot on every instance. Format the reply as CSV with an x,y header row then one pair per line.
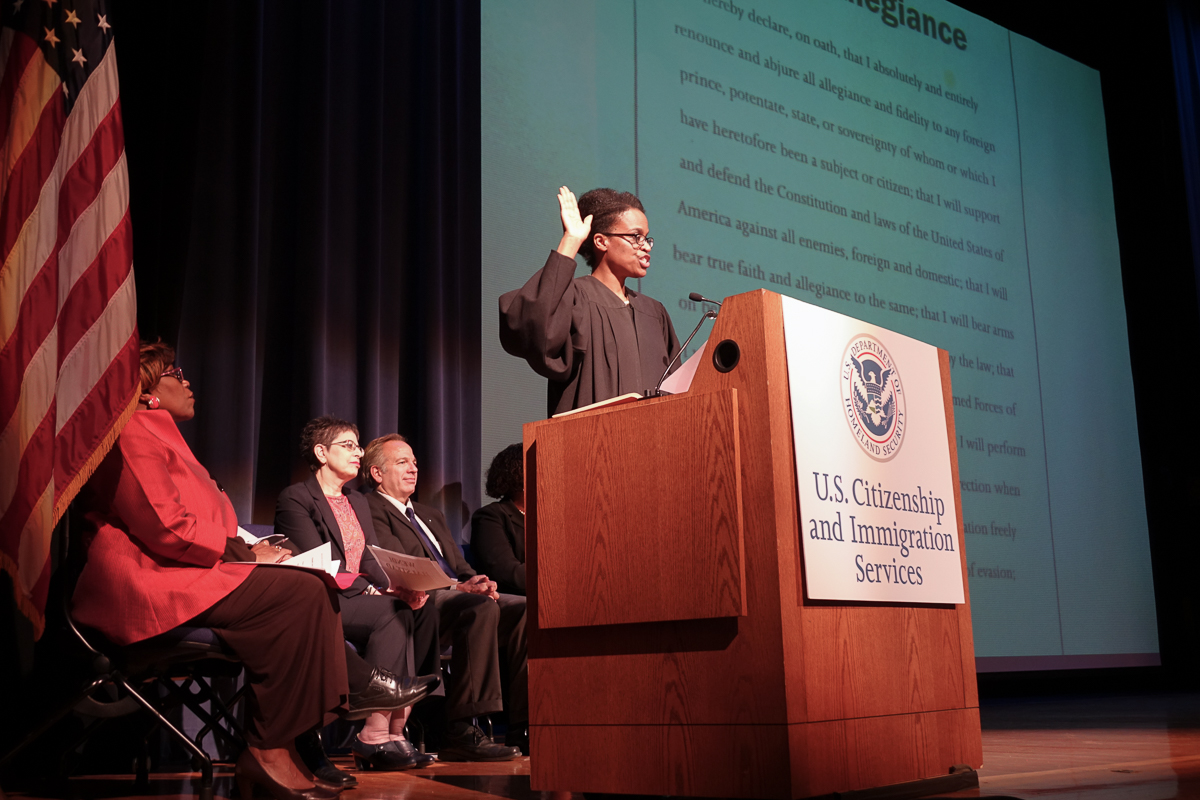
x,y
591,337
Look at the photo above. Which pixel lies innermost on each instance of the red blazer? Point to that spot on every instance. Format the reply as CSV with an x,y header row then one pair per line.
x,y
160,522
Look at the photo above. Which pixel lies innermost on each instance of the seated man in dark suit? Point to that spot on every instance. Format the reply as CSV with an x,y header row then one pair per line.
x,y
473,617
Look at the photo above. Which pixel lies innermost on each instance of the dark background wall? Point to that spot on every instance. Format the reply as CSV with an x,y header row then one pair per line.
x,y
305,202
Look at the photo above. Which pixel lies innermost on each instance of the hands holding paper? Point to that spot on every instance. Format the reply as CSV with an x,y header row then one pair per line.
x,y
414,599
265,553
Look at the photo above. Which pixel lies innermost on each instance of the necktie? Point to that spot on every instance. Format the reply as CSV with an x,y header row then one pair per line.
x,y
437,555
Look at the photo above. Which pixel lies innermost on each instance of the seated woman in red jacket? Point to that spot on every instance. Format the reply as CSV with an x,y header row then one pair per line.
x,y
388,628
159,555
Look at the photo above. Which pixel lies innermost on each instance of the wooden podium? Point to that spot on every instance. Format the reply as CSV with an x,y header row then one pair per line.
x,y
672,649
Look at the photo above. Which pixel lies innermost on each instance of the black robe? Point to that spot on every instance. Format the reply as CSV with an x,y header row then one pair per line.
x,y
583,338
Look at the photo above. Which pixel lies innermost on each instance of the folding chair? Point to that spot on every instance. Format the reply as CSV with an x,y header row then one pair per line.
x,y
125,679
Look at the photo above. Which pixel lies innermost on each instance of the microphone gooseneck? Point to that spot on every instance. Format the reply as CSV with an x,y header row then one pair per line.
x,y
709,314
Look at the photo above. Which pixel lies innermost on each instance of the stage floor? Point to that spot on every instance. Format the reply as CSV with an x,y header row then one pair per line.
x,y
1092,748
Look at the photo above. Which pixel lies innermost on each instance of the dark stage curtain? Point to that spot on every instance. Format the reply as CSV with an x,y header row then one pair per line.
x,y
1184,19
305,203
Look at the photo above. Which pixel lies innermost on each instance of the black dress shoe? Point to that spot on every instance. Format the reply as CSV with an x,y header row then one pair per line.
x,y
518,736
475,745
389,756
387,692
312,753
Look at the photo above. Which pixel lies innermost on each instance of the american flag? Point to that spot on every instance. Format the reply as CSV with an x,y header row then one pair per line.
x,y
68,308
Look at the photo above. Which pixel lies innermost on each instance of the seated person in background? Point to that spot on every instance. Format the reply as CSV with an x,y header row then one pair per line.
x,y
592,337
162,536
474,618
498,529
390,628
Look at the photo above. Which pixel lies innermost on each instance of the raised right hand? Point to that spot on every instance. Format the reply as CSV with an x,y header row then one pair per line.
x,y
575,230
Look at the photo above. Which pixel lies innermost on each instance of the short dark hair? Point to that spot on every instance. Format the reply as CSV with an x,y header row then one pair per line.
x,y
373,457
605,205
155,358
506,475
322,431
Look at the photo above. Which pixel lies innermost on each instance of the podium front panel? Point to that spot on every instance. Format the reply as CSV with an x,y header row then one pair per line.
x,y
639,514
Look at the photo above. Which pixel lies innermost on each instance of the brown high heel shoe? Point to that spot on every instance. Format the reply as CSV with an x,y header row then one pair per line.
x,y
248,773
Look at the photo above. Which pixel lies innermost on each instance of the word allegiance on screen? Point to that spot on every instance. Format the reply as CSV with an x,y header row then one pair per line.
x,y
893,14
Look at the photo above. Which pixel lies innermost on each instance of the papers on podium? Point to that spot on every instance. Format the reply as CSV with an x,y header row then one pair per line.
x,y
680,380
619,400
410,572
677,382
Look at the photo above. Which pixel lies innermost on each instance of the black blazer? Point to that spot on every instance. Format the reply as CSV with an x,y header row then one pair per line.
x,y
498,545
304,516
395,532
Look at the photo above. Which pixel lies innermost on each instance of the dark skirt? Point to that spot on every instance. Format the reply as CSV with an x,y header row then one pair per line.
x,y
285,627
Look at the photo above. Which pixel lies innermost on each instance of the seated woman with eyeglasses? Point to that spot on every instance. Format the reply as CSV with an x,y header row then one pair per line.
x,y
592,337
387,628
162,539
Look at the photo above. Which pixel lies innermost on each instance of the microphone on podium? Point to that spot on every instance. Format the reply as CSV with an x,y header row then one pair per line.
x,y
695,297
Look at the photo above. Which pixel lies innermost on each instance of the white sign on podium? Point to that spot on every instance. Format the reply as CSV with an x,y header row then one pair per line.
x,y
877,514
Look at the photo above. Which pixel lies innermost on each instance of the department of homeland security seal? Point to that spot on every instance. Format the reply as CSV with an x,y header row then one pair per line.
x,y
872,397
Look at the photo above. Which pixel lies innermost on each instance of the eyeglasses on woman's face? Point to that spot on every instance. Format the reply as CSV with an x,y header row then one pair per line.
x,y
636,239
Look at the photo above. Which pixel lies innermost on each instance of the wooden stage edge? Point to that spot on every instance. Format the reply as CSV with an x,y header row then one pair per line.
x,y
754,760
1131,747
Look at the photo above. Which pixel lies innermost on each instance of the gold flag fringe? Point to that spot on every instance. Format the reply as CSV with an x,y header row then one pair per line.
x,y
89,466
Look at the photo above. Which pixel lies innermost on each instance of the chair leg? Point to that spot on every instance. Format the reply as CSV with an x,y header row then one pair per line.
x,y
206,770
225,712
194,701
190,694
419,740
141,773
